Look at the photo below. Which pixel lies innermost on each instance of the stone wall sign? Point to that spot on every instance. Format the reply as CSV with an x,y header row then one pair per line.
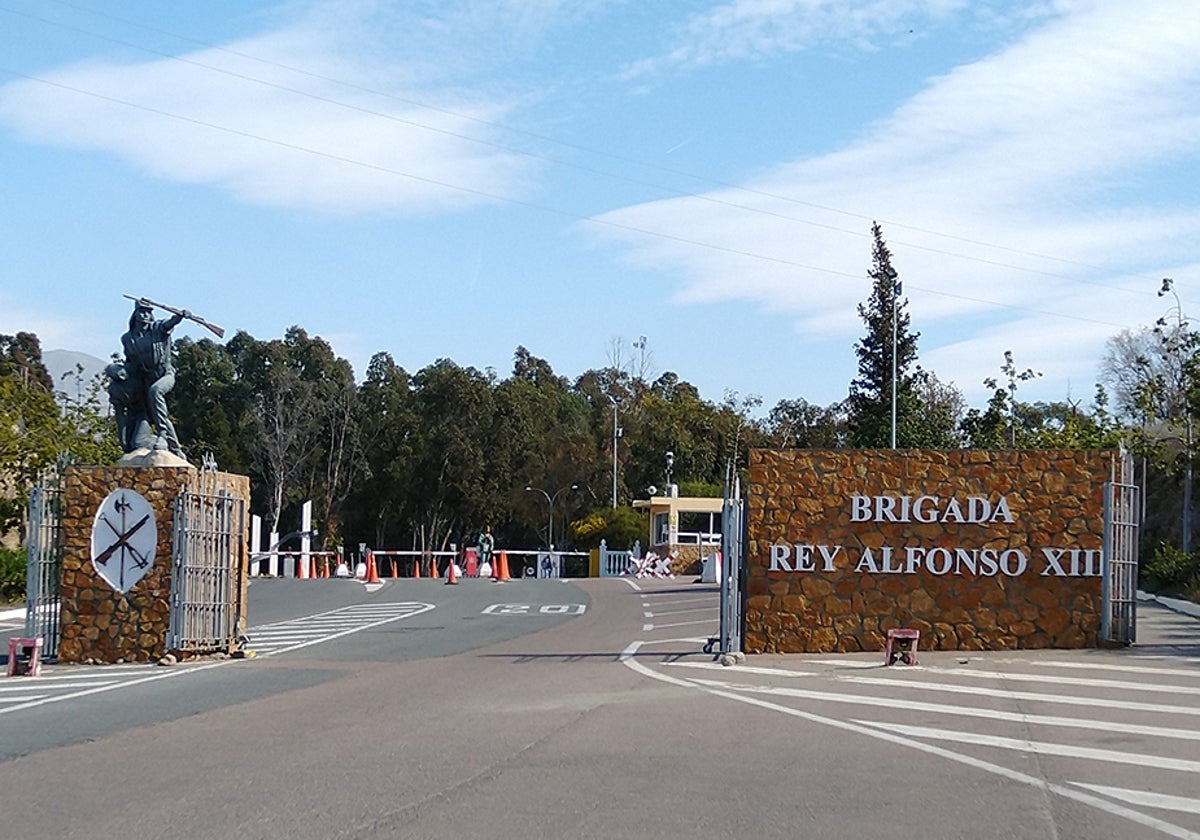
x,y
124,539
976,550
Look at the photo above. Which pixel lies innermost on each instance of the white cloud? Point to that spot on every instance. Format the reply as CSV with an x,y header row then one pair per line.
x,y
272,136
1038,147
750,29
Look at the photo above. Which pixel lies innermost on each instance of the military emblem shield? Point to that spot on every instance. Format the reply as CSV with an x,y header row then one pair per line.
x,y
124,538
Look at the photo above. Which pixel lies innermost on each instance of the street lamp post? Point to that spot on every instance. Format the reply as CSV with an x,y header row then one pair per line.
x,y
1173,345
894,278
616,434
550,500
670,465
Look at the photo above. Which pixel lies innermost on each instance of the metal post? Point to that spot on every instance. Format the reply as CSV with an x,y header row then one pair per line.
x,y
895,294
615,436
1187,480
550,500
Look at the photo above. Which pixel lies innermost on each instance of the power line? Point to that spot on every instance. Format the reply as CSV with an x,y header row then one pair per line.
x,y
558,162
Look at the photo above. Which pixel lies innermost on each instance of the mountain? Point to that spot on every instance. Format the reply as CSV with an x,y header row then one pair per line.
x,y
61,364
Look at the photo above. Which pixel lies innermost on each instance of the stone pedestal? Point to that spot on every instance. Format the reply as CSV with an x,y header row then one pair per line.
x,y
99,622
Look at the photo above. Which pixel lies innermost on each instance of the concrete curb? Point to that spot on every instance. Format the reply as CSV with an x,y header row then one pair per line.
x,y
1174,604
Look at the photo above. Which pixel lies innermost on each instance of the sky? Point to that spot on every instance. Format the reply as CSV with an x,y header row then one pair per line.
x,y
684,187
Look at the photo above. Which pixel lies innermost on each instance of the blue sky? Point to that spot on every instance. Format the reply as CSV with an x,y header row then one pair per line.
x,y
454,178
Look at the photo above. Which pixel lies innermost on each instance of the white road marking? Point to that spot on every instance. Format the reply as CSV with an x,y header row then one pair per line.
x,y
951,688
1040,747
628,658
708,609
1075,681
742,669
359,618
354,619
1134,669
1146,798
679,624
98,689
962,711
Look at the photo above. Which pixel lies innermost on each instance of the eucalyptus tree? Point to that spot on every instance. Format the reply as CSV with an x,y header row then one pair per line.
x,y
799,424
674,419
454,407
30,424
284,381
545,433
208,404
36,430
390,435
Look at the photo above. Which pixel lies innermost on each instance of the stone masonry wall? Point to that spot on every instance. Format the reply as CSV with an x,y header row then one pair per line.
x,y
832,564
99,623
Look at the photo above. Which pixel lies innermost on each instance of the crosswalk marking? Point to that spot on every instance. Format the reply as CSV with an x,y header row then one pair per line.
x,y
1076,681
1039,747
1097,702
1129,669
745,669
1184,804
963,711
919,738
285,636
70,682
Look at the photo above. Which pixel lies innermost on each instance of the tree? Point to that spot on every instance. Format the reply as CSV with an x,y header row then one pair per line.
x,y
799,424
390,437
1008,387
935,420
885,355
208,403
455,408
35,430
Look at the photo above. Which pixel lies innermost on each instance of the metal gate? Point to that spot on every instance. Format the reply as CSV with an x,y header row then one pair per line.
x,y
1118,617
208,558
733,550
43,570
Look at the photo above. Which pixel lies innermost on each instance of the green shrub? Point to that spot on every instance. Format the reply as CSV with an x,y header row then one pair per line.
x,y
1170,570
12,575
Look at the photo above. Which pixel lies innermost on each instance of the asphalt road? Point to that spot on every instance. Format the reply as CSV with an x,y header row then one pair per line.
x,y
540,709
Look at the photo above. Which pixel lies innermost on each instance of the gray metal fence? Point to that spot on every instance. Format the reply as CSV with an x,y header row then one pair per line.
x,y
208,556
733,551
1118,617
43,572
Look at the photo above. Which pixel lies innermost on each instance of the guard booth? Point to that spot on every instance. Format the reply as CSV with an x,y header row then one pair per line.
x,y
686,528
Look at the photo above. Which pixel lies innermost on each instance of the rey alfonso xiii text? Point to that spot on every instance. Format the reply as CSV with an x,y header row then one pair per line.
x,y
1062,561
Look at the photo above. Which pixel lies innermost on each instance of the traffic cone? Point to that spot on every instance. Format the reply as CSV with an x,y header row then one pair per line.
x,y
372,572
416,567
451,574
502,567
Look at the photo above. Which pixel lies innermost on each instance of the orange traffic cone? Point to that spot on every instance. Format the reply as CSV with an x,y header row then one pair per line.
x,y
502,567
372,572
416,567
451,573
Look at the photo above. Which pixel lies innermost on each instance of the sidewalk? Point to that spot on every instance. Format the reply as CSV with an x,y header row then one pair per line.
x,y
1174,604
